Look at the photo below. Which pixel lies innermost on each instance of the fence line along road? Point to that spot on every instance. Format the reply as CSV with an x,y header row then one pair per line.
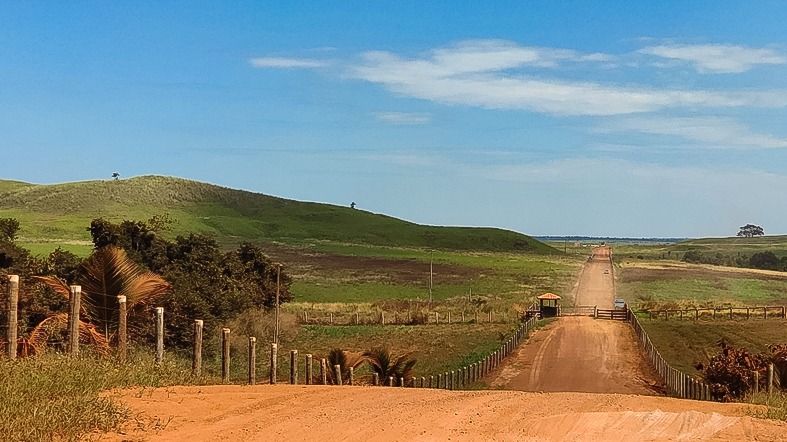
x,y
410,318
459,378
676,382
751,312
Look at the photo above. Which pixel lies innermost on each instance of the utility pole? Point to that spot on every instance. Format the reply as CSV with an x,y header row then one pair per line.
x,y
430,277
278,286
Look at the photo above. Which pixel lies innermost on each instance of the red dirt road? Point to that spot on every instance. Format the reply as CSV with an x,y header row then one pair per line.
x,y
581,354
283,412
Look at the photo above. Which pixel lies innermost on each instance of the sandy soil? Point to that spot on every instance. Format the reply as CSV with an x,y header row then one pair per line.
x,y
238,413
578,353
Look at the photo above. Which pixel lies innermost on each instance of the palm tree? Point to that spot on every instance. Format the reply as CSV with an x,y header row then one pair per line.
x,y
105,275
387,365
344,360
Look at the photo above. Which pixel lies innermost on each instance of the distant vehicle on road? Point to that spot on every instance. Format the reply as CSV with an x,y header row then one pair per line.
x,y
620,304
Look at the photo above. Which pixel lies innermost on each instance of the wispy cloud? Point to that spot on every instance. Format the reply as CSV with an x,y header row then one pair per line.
x,y
286,63
712,132
480,74
403,118
716,58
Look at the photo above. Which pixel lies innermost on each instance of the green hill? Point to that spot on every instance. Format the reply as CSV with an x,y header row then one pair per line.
x,y
61,212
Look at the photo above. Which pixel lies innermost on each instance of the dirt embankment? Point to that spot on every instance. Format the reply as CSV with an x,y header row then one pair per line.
x,y
266,413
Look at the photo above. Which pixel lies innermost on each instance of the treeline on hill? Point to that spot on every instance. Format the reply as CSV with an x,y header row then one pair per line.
x,y
761,260
205,282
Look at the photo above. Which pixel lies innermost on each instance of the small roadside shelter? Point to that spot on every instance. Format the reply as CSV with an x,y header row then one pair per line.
x,y
549,305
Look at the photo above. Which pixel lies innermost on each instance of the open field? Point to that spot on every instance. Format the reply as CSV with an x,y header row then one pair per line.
x,y
342,273
674,284
668,285
684,343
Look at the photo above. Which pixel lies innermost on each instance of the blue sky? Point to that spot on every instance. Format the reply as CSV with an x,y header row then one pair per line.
x,y
587,118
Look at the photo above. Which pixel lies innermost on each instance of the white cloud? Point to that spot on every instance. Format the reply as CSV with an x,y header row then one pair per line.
x,y
403,118
476,74
286,63
713,132
717,58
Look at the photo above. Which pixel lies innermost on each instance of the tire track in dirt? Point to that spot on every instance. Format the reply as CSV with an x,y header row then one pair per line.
x,y
285,412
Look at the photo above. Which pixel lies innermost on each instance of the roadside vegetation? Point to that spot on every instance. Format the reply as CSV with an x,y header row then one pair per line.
x,y
234,285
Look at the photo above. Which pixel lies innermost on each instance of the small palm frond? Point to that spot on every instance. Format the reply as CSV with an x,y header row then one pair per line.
x,y
56,284
105,275
56,325
387,365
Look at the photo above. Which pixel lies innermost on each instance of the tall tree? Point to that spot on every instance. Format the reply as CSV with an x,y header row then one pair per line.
x,y
750,230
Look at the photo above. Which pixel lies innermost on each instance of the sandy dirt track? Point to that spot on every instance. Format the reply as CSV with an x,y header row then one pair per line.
x,y
579,353
284,412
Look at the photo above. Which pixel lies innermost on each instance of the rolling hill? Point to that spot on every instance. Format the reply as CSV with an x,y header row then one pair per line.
x,y
60,213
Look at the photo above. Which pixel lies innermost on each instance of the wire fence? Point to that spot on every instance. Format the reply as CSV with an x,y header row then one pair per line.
x,y
213,348
676,382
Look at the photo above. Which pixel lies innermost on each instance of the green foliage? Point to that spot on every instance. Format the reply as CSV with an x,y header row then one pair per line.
x,y
232,216
9,227
764,260
388,365
750,230
207,283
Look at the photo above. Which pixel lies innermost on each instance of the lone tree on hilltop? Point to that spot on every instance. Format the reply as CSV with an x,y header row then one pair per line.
x,y
750,230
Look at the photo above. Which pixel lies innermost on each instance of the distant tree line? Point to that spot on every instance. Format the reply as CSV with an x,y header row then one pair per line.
x,y
207,281
766,260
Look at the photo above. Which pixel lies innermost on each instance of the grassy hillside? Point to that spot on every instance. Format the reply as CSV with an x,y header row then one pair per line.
x,y
60,213
734,245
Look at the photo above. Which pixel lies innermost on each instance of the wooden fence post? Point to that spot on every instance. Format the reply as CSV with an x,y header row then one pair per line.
x,y
436,318
431,381
331,321
225,355
784,313
449,317
390,381
770,379
439,380
765,313
463,316
159,335
401,381
382,318
274,362
375,379
196,356
294,367
252,360
337,374
309,375
756,375
75,302
122,328
12,307
357,319
323,371
730,312
351,377
423,381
